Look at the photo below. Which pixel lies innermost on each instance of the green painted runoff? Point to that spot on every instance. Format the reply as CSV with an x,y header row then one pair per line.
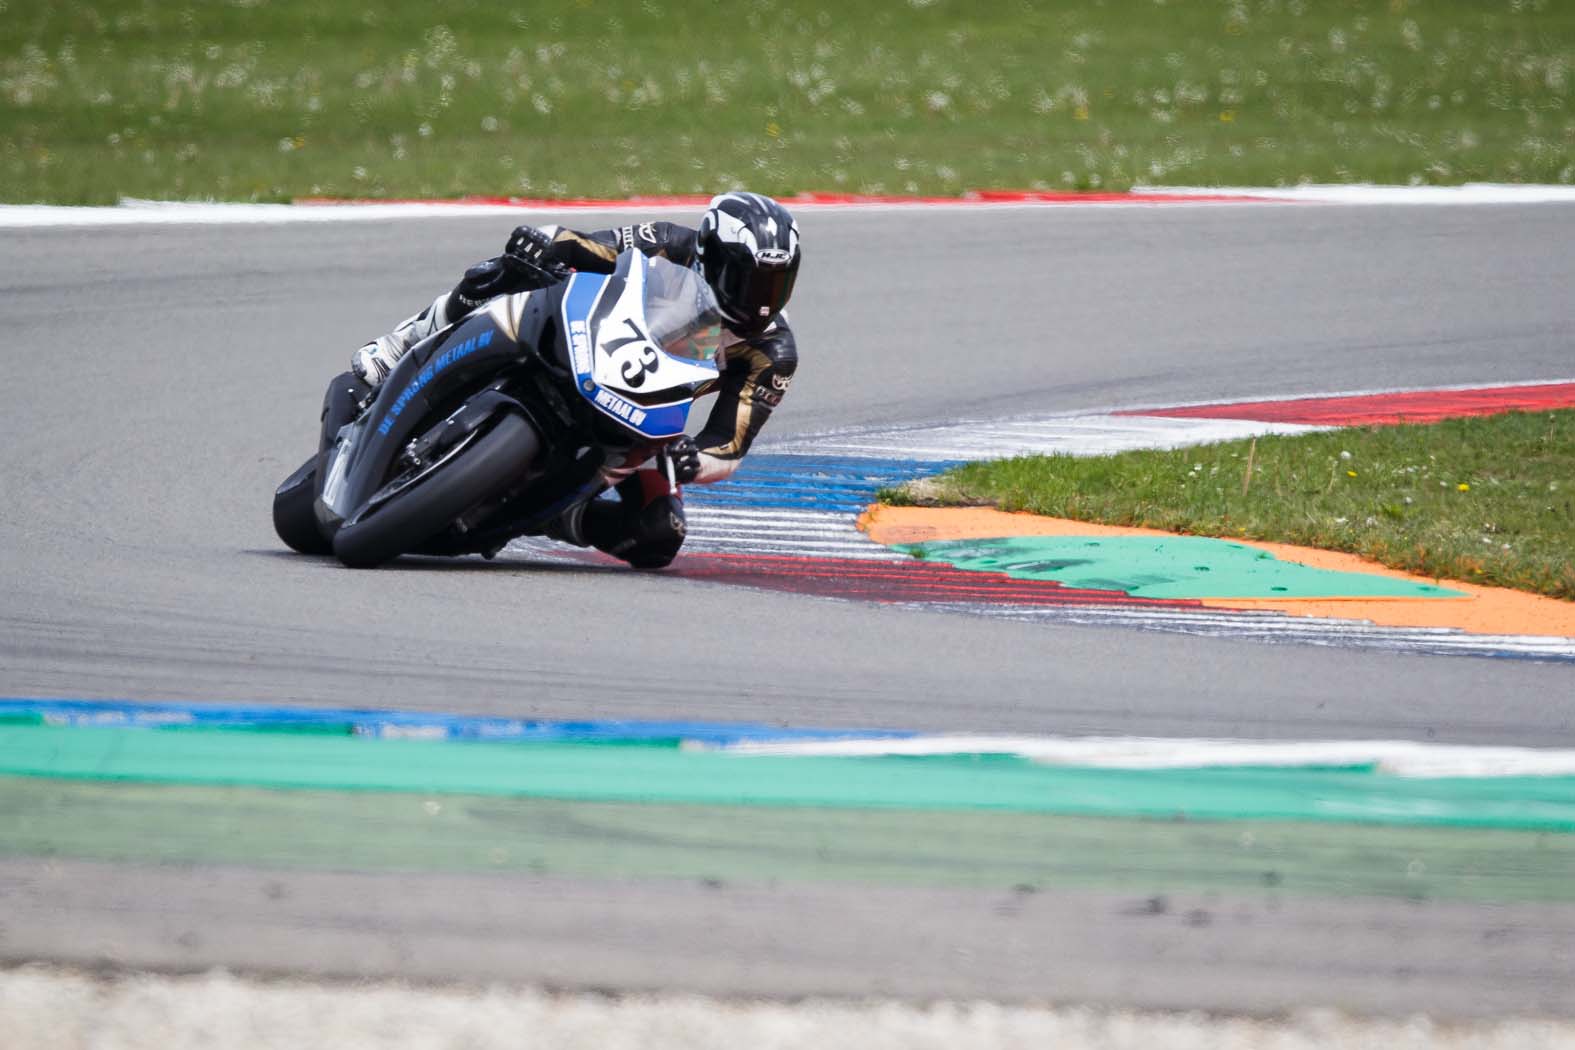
x,y
1016,853
668,774
1167,567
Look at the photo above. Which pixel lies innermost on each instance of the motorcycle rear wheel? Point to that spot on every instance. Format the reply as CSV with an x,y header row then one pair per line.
x,y
475,475
293,518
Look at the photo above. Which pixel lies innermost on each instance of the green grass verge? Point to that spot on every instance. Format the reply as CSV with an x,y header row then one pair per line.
x,y
321,830
1486,500
270,99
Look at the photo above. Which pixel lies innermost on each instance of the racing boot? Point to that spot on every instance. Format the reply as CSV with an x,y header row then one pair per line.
x,y
376,359
644,526
569,527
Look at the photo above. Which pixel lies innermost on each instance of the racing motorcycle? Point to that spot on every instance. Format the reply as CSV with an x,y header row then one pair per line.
x,y
492,427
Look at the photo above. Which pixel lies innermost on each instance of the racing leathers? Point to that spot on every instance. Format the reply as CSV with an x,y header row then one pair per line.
x,y
645,525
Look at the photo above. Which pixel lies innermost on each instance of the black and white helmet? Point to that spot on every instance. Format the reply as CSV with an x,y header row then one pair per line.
x,y
748,249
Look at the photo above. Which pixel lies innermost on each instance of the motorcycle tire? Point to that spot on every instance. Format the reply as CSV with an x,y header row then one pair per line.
x,y
475,475
293,518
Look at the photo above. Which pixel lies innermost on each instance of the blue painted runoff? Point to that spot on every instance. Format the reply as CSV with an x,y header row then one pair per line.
x,y
845,484
378,722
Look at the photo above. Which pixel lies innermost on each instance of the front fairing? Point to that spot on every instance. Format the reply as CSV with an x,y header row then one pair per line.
x,y
642,343
456,360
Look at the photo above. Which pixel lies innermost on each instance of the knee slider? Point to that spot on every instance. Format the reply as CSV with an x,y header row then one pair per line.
x,y
658,532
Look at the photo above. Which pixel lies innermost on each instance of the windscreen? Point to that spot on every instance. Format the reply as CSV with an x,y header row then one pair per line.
x,y
680,312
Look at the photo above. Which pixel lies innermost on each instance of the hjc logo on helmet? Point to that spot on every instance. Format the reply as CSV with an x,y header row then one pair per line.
x,y
773,256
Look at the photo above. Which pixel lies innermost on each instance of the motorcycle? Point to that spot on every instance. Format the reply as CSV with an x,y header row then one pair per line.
x,y
492,427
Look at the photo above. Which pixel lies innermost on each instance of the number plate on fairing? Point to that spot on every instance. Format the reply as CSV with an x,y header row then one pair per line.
x,y
617,356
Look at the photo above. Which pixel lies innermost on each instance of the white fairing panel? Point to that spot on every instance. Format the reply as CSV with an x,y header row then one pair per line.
x,y
627,358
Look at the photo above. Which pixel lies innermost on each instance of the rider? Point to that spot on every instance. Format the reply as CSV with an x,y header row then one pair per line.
x,y
747,249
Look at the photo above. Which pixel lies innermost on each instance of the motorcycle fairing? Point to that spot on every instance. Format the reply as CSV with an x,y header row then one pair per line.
x,y
618,368
459,356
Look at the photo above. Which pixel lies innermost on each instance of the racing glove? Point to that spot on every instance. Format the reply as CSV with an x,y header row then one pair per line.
x,y
524,266
684,455
528,247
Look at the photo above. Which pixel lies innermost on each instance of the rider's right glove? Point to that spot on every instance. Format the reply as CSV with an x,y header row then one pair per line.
x,y
684,455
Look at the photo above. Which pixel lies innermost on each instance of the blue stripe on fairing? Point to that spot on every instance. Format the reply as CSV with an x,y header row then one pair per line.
x,y
382,722
829,483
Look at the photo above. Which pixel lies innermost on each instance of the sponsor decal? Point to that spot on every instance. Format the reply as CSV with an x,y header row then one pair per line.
x,y
616,405
773,256
580,345
645,231
766,396
451,354
780,383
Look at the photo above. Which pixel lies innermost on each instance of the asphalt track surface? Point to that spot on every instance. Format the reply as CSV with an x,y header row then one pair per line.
x,y
160,381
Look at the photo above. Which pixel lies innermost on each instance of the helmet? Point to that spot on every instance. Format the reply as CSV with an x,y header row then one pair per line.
x,y
747,247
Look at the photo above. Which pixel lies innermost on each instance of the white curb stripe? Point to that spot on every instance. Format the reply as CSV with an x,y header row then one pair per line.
x,y
1279,627
1085,435
1397,757
1333,395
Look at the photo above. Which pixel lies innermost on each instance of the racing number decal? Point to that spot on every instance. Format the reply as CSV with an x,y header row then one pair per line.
x,y
635,369
647,363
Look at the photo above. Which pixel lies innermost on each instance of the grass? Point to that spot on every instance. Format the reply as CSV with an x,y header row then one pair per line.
x,y
273,99
1486,500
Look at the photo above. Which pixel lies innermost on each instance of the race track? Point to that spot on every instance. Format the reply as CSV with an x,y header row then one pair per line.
x,y
161,381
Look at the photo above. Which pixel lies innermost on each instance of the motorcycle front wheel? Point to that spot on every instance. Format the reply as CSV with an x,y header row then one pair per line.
x,y
480,472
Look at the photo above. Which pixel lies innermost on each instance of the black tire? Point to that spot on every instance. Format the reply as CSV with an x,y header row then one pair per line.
x,y
477,474
293,518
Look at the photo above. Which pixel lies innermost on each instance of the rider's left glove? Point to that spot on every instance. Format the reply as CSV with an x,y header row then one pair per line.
x,y
525,265
684,455
529,246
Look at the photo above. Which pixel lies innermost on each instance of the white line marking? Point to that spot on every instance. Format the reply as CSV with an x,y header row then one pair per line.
x,y
144,212
1397,757
1471,193
1275,627
1084,435
162,213
812,442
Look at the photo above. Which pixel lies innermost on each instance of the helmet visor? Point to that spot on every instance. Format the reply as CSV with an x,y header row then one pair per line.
x,y
754,294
